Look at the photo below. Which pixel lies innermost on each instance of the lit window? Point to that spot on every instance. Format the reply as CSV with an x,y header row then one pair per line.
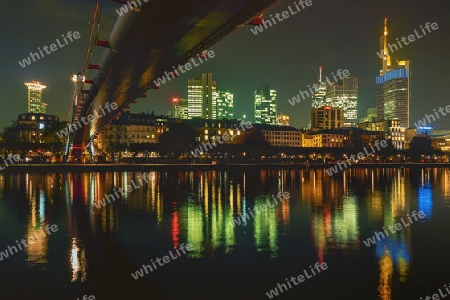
x,y
41,118
153,136
206,137
206,131
148,136
33,118
231,132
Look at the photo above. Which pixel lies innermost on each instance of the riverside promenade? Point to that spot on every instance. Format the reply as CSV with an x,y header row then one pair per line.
x,y
126,167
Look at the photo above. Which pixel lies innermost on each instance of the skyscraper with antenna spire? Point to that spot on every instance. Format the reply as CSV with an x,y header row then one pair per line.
x,y
342,95
320,92
384,50
393,85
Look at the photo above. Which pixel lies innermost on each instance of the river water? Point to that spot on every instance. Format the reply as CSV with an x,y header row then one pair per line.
x,y
94,250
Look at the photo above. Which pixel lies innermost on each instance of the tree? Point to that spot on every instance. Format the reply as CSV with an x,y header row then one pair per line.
x,y
178,140
420,145
256,138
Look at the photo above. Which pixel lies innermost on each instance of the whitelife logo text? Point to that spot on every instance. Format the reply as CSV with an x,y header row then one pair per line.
x,y
34,56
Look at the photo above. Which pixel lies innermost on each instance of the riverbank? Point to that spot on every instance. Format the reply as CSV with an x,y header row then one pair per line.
x,y
70,168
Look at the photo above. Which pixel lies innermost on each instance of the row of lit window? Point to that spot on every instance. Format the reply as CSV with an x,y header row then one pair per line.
x,y
284,138
219,125
266,132
40,118
231,132
132,136
286,143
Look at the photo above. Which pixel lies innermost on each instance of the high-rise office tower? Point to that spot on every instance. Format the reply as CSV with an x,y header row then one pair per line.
x,y
180,108
283,119
393,90
345,96
265,101
224,105
35,104
327,117
350,101
320,92
202,97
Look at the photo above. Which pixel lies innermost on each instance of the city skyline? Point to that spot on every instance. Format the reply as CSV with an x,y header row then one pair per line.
x,y
135,144
357,53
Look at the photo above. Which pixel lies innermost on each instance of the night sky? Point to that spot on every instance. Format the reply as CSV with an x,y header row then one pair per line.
x,y
337,34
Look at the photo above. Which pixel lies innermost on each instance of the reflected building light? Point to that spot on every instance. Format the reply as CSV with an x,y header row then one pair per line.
x,y
78,262
376,208
372,175
399,252
92,193
33,208
345,229
425,202
231,200
159,202
230,238
41,206
175,227
243,212
205,192
266,229
318,234
398,197
125,185
38,251
386,270
286,215
445,183
214,221
344,181
245,183
201,189
195,235
280,174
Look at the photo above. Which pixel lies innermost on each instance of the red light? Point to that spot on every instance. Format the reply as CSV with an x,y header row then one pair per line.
x,y
175,100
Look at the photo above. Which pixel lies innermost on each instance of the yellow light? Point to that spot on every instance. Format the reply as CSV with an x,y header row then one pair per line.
x,y
35,85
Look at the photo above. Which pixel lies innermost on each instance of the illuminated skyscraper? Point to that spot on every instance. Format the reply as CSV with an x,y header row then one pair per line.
x,y
265,101
350,101
345,96
180,108
202,97
224,105
283,120
393,90
35,104
327,117
320,92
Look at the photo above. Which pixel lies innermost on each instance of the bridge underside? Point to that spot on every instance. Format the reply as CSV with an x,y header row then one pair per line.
x,y
146,43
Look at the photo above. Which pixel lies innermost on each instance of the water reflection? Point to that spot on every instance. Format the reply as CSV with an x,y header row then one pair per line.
x,y
266,228
78,261
198,207
386,271
425,195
